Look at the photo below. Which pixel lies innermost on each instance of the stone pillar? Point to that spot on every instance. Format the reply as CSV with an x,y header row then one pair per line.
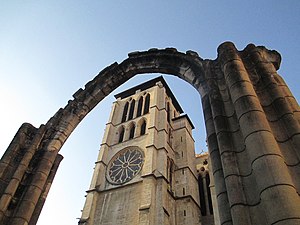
x,y
230,142
214,198
42,199
15,153
268,169
217,168
281,108
18,175
31,197
205,193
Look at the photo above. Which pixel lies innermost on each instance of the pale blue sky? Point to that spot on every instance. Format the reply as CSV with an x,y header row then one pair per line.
x,y
49,49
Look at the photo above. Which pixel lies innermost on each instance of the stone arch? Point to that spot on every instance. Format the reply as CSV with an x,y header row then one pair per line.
x,y
142,126
120,134
140,103
245,104
125,112
131,131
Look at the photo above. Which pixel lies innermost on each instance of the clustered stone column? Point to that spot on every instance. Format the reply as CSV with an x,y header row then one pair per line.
x,y
252,124
253,130
22,187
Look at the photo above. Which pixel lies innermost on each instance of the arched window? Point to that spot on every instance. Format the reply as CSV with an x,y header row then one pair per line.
x,y
168,112
125,112
209,194
131,132
143,128
131,110
140,106
170,136
121,134
147,104
202,196
171,171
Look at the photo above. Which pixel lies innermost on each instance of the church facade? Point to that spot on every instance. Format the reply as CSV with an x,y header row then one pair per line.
x,y
147,171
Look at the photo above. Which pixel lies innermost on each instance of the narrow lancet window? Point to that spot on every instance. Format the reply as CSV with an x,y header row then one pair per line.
x,y
131,110
168,112
140,106
132,130
125,112
143,128
209,194
170,136
202,196
147,104
121,134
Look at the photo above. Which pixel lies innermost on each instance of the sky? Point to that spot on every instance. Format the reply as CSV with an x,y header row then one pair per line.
x,y
50,49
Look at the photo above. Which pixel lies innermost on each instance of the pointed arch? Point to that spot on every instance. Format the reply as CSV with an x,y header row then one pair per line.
x,y
168,113
202,195
121,134
125,111
140,107
131,131
209,199
170,136
147,104
143,127
131,110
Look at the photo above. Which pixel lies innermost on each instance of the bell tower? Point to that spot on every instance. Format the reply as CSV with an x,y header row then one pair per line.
x,y
146,169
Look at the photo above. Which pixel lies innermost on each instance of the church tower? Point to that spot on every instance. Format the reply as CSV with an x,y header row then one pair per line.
x,y
146,169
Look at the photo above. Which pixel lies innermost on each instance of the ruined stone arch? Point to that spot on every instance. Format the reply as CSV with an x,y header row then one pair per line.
x,y
246,105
